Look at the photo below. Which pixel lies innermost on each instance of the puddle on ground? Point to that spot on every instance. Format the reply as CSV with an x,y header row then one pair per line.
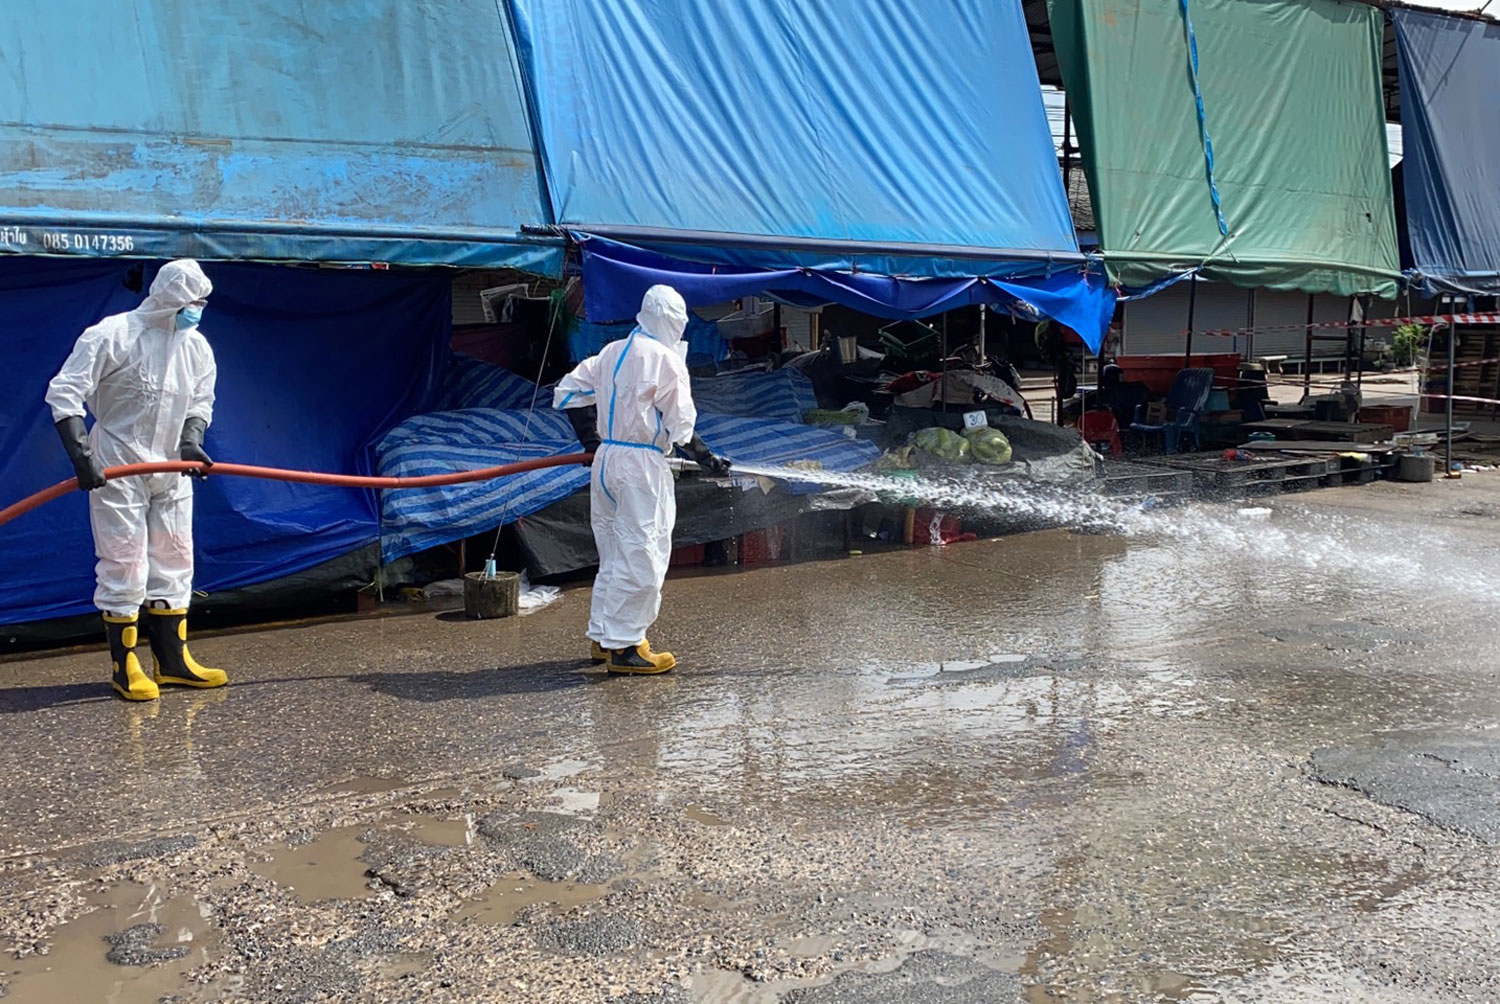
x,y
561,770
442,832
404,964
503,901
575,801
366,784
811,946
152,959
445,794
327,868
699,815
719,986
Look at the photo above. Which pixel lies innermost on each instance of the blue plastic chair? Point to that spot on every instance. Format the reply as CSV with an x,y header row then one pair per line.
x,y
1185,403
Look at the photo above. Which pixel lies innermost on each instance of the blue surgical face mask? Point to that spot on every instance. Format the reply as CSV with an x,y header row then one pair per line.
x,y
188,317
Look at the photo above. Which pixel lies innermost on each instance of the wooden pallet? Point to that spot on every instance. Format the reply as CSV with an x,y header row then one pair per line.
x,y
1331,432
1123,478
1475,376
1268,472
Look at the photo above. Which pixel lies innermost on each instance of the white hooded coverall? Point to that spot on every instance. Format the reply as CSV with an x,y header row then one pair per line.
x,y
640,385
142,379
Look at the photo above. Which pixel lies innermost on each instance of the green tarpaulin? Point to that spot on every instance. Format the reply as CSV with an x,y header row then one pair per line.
x,y
1291,113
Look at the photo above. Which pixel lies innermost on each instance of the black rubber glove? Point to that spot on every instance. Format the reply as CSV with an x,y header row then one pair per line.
x,y
705,458
75,439
585,426
190,446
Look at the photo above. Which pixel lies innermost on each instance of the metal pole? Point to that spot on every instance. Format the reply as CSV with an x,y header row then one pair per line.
x,y
1187,359
982,313
1359,360
1448,447
1067,146
1307,350
380,547
1250,331
943,381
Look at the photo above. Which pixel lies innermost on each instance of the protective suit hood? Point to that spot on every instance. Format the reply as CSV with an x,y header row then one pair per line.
x,y
178,284
663,315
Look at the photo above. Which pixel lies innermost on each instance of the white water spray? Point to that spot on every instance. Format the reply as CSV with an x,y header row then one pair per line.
x,y
1290,541
1026,502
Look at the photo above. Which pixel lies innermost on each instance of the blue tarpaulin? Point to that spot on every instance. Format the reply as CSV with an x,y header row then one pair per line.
x,y
364,130
314,367
892,136
1450,135
706,345
615,276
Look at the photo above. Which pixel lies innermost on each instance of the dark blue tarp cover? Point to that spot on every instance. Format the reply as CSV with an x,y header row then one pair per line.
x,y
615,276
895,136
315,365
363,130
706,344
1450,134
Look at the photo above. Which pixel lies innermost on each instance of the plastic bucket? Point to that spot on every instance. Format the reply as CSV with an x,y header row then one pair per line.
x,y
1416,467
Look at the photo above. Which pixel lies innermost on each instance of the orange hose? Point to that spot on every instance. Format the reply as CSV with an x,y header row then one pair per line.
x,y
298,477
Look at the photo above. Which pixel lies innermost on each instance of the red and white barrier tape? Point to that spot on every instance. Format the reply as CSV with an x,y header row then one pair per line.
x,y
1436,320
1460,397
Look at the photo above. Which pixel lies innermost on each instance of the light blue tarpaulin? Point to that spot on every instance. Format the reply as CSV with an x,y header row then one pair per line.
x,y
1450,134
615,276
478,435
364,130
836,134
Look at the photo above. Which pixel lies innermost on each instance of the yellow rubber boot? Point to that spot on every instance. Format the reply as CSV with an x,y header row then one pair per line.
x,y
598,655
175,665
129,679
640,660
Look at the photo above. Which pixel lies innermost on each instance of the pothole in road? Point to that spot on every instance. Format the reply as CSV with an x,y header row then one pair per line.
x,y
135,945
513,893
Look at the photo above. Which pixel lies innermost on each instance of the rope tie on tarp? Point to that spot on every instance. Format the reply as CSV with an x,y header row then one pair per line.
x,y
1208,143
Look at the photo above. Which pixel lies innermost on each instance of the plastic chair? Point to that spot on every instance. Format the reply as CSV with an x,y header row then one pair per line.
x,y
1100,429
1185,403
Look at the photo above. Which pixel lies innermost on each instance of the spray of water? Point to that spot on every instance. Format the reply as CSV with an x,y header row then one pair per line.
x,y
1025,503
1298,542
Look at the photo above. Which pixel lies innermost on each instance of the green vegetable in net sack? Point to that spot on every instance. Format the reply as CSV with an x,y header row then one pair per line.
x,y
927,440
944,444
989,446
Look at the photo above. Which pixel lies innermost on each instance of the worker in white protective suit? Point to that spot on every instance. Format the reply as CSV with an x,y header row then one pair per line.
x,y
147,376
631,405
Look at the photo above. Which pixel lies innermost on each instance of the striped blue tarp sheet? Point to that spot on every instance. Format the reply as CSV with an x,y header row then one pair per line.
x,y
473,383
472,438
782,395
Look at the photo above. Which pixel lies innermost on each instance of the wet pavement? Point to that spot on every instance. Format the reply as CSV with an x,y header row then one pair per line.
x,y
1217,755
